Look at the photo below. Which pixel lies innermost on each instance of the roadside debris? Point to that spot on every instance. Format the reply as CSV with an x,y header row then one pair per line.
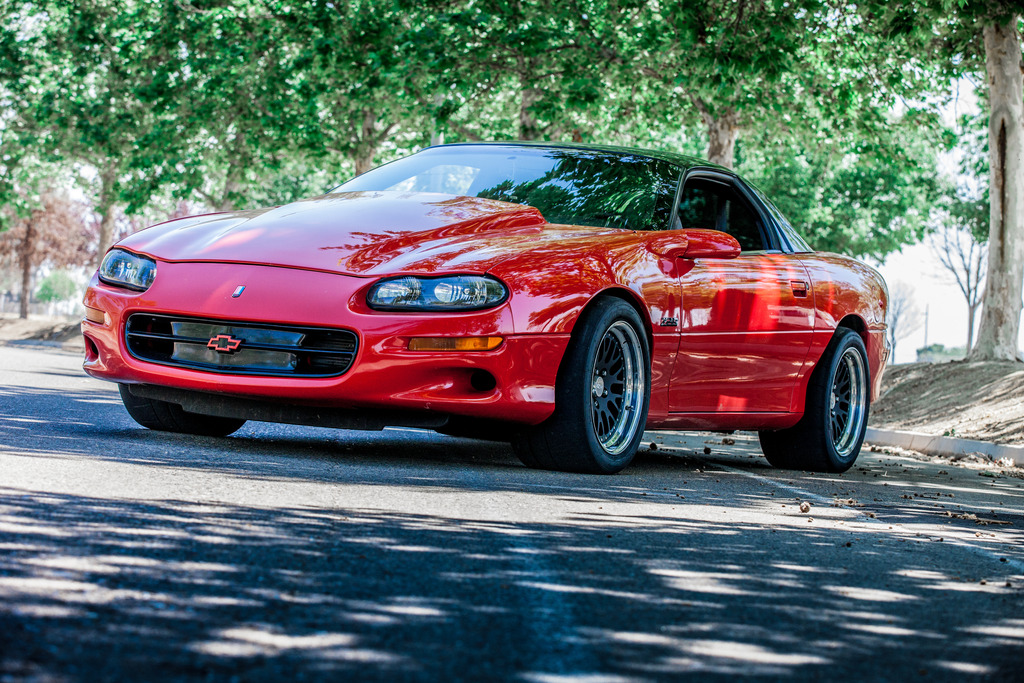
x,y
971,517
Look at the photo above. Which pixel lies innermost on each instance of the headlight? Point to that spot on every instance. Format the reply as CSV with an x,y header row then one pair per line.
x,y
124,269
450,293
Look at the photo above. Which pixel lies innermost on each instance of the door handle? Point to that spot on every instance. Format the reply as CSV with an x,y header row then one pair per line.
x,y
799,288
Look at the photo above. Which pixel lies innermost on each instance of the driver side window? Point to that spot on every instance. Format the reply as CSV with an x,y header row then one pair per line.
x,y
713,205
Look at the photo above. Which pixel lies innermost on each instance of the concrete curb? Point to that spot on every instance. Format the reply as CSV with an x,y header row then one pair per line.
x,y
943,445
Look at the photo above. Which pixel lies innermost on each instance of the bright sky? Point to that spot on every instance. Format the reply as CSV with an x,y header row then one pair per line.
x,y
933,289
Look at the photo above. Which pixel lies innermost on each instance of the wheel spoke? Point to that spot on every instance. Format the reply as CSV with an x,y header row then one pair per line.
x,y
617,387
849,401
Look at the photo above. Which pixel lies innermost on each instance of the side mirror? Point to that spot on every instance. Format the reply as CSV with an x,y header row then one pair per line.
x,y
710,244
694,244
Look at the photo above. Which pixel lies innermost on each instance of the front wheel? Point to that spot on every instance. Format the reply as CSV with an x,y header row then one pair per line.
x,y
170,417
829,435
601,397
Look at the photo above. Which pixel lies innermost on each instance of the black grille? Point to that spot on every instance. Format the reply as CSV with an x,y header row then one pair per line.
x,y
240,348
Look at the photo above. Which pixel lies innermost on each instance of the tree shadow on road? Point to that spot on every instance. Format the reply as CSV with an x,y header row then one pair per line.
x,y
49,423
103,589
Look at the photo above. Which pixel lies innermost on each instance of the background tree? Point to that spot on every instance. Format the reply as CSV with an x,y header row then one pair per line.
x,y
728,57
548,65
979,37
963,256
823,103
358,77
57,286
800,99
92,111
960,239
851,198
228,115
1000,320
53,233
903,317
22,80
805,69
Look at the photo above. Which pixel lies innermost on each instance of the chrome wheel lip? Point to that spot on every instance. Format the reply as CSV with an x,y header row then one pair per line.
x,y
847,410
617,387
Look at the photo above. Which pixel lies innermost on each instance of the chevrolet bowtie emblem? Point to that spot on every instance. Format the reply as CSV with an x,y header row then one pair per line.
x,y
224,343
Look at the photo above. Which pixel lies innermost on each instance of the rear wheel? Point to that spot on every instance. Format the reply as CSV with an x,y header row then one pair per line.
x,y
170,417
829,435
601,397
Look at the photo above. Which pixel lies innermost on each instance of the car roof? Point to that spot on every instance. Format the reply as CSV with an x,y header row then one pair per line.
x,y
683,160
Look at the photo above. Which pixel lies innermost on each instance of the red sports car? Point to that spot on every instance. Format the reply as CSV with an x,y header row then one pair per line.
x,y
562,297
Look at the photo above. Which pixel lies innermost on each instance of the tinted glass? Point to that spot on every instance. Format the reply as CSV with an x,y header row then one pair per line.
x,y
576,187
715,206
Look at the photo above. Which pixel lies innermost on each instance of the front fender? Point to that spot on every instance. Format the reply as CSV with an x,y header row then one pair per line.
x,y
549,289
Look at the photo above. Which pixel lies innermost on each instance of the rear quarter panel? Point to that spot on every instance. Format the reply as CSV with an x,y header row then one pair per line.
x,y
851,294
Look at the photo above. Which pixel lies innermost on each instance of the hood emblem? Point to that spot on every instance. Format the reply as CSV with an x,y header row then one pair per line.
x,y
238,291
224,343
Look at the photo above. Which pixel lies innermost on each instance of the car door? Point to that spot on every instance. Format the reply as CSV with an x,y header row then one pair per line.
x,y
746,323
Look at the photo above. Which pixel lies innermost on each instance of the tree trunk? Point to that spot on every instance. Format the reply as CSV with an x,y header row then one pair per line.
x,y
1000,315
529,129
723,131
722,135
232,188
25,263
437,135
366,145
106,210
972,311
233,185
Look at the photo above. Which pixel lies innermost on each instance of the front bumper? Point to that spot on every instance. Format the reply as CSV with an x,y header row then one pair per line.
x,y
514,382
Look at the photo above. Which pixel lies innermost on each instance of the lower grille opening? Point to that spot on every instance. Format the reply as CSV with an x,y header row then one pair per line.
x,y
240,348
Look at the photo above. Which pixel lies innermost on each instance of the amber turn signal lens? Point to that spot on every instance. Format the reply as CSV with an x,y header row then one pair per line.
x,y
454,343
95,315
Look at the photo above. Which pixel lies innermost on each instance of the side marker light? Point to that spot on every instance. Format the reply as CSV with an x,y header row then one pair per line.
x,y
454,343
95,315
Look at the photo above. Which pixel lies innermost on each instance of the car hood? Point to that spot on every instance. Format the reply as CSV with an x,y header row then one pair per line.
x,y
360,233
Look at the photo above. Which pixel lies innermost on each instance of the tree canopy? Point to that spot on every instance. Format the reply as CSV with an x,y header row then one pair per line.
x,y
830,107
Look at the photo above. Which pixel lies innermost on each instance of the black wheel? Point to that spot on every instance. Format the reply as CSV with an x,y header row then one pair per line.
x,y
170,417
601,396
829,435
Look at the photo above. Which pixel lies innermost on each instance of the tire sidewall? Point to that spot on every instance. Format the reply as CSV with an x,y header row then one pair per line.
x,y
838,347
574,387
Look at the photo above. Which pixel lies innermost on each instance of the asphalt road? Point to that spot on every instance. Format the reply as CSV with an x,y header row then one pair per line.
x,y
290,553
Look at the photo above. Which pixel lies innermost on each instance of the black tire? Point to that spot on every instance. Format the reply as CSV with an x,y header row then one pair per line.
x,y
170,417
829,435
601,396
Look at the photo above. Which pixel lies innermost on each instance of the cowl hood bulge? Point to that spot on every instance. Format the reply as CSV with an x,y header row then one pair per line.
x,y
359,233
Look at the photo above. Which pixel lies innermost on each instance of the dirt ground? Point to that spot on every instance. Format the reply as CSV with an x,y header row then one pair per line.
x,y
59,330
983,401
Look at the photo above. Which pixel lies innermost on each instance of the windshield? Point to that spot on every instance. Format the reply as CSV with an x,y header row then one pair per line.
x,y
571,186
